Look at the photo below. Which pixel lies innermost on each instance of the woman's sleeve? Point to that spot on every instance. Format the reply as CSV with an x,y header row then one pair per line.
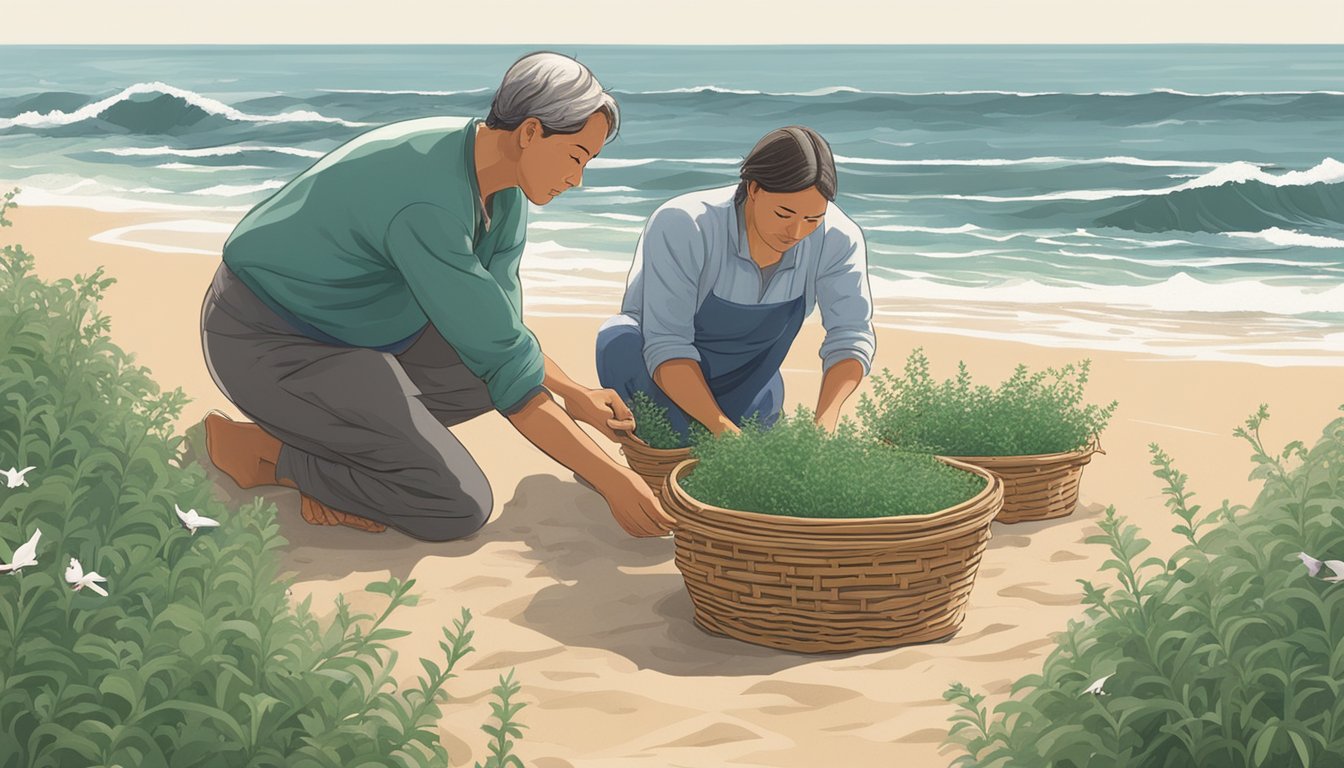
x,y
844,298
671,253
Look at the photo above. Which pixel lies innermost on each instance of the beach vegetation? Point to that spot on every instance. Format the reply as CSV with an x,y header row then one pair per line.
x,y
1230,652
196,656
1026,414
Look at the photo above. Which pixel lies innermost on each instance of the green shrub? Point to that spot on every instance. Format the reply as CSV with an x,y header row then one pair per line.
x,y
503,709
195,657
652,425
795,468
1227,654
1025,415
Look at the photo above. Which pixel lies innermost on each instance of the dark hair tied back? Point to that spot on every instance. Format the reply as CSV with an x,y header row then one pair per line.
x,y
789,159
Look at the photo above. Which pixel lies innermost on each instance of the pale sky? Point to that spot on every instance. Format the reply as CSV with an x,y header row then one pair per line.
x,y
671,22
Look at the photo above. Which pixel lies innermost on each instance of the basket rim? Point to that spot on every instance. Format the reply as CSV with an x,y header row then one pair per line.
x,y
629,444
993,483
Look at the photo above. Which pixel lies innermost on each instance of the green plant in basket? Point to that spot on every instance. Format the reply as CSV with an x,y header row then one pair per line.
x,y
652,425
1027,414
796,468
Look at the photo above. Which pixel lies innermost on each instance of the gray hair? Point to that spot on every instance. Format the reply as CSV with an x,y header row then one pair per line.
x,y
555,89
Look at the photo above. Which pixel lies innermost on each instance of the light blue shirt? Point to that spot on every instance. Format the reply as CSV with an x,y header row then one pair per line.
x,y
696,243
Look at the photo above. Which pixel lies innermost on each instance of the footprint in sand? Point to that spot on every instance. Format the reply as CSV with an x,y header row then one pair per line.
x,y
809,696
1026,592
719,733
479,582
1018,652
505,659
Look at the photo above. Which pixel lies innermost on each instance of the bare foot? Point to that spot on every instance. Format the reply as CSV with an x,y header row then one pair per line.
x,y
242,450
247,453
317,513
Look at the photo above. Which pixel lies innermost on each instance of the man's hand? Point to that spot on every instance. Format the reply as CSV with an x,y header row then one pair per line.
x,y
634,506
547,426
604,410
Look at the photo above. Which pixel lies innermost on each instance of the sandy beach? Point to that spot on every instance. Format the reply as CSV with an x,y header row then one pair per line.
x,y
598,624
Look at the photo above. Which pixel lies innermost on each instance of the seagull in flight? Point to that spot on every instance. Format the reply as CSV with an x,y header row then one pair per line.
x,y
1096,686
1314,567
25,555
75,575
15,476
192,520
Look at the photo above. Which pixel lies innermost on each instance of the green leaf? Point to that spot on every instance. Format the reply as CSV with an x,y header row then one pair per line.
x,y
247,629
1301,746
117,684
431,669
1263,741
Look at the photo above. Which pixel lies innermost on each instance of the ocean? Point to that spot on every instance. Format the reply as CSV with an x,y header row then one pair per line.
x,y
1184,201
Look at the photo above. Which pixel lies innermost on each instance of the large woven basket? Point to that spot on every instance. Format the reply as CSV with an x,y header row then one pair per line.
x,y
820,585
652,464
1040,486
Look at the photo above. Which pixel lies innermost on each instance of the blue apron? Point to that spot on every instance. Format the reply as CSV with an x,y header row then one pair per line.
x,y
741,349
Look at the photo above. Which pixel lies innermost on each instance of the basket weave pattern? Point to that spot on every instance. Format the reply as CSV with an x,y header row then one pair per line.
x,y
652,464
1037,487
821,585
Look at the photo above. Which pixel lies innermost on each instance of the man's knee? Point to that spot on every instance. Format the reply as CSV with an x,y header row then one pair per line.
x,y
456,513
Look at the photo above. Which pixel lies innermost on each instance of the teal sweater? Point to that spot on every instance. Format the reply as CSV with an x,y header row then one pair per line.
x,y
386,234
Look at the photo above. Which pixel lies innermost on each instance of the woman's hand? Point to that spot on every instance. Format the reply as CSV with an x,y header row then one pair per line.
x,y
604,410
827,421
723,425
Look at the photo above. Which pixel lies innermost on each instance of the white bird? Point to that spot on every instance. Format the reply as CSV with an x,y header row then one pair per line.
x,y
1096,686
15,476
75,575
25,555
192,520
1338,567
1314,567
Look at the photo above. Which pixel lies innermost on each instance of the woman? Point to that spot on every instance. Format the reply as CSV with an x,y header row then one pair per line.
x,y
374,302
721,283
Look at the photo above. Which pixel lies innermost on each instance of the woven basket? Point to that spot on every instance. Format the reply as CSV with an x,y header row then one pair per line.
x,y
1040,486
652,464
824,585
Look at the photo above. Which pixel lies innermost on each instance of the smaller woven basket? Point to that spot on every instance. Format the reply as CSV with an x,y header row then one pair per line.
x,y
652,464
1039,486
825,585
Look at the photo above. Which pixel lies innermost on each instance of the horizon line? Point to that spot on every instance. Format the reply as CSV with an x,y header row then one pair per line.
x,y
679,44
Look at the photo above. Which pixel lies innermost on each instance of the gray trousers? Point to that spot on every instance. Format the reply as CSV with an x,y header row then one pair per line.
x,y
364,432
